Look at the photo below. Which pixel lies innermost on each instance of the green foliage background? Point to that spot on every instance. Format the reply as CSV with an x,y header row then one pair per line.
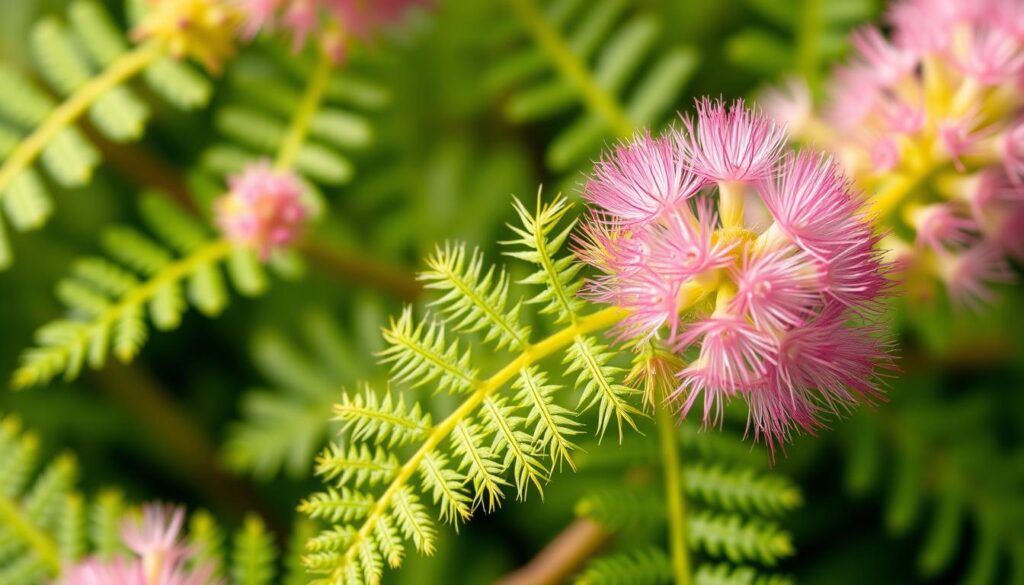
x,y
226,414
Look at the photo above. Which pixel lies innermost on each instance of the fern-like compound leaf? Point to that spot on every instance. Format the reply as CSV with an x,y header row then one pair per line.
x,y
725,574
420,355
508,430
590,360
445,486
739,539
516,444
554,425
741,489
337,505
357,466
642,566
599,58
538,243
86,59
254,554
385,421
474,300
479,462
108,300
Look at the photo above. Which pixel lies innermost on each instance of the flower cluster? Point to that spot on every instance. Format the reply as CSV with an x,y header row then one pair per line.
x,y
160,559
338,21
263,209
769,287
930,123
201,29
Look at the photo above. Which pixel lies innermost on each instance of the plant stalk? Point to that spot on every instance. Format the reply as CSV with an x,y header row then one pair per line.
x,y
124,68
303,118
572,67
672,470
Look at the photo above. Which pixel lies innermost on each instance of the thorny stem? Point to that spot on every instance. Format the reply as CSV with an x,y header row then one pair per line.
x,y
121,70
533,353
673,490
573,68
296,136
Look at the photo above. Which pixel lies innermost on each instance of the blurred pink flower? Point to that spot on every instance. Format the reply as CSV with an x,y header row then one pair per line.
x,y
340,21
927,119
161,557
263,209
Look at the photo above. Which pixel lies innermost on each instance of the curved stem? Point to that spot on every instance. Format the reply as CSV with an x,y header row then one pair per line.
x,y
570,65
563,556
591,323
121,70
673,492
299,128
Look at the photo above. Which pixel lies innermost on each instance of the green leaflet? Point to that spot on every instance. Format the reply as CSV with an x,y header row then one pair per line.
x,y
108,301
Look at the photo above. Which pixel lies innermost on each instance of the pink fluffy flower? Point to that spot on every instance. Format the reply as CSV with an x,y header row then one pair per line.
x,y
263,209
768,302
641,180
731,144
160,557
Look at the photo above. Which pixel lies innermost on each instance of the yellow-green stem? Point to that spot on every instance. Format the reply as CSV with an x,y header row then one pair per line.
x,y
121,70
573,68
532,354
673,492
299,128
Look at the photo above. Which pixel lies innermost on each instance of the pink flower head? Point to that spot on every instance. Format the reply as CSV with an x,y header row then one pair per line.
x,y
734,144
263,209
156,532
777,289
887,63
161,558
812,204
1013,153
641,180
340,20
734,356
938,96
972,274
942,227
994,56
796,262
790,104
114,572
